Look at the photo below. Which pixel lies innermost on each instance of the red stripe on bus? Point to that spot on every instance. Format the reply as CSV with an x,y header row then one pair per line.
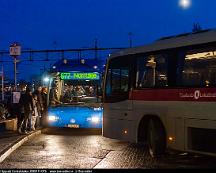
x,y
197,95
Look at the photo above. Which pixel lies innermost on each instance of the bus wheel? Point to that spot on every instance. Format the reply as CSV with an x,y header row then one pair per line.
x,y
156,138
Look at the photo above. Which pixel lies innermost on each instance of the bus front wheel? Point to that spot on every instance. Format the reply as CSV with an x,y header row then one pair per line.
x,y
156,138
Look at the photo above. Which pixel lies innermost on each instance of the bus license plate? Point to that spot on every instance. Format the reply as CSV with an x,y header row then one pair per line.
x,y
75,126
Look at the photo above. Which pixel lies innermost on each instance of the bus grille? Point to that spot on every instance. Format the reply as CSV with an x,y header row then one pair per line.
x,y
203,140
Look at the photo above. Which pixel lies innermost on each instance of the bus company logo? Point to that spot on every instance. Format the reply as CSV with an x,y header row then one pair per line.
x,y
197,95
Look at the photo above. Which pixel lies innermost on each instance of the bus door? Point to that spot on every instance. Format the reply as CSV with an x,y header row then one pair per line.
x,y
117,89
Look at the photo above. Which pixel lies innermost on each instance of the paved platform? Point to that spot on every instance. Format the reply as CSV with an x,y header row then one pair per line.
x,y
11,140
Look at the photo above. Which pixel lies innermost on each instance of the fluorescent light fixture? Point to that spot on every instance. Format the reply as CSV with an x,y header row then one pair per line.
x,y
203,55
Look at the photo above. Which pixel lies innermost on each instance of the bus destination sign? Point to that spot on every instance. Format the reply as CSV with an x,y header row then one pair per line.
x,y
79,76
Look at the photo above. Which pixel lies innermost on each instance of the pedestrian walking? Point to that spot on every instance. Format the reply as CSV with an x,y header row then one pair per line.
x,y
26,102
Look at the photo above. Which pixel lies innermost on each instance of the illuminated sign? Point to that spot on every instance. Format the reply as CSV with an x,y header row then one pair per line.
x,y
79,76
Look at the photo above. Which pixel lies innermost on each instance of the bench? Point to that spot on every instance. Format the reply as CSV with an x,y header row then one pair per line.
x,y
9,124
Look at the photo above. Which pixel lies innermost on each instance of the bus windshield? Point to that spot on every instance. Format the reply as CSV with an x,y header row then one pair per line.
x,y
85,93
71,92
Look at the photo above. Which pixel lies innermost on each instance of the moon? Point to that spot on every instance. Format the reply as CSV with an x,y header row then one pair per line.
x,y
185,4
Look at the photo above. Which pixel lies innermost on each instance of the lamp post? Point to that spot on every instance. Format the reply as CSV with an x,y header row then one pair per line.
x,y
15,51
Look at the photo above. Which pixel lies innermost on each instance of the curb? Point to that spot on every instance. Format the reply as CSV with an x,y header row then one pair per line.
x,y
16,145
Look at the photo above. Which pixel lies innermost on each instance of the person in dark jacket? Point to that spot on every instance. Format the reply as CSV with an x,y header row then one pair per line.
x,y
21,108
53,98
39,105
26,102
45,106
44,97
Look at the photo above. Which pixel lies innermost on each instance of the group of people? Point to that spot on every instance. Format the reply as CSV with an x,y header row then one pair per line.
x,y
76,91
33,106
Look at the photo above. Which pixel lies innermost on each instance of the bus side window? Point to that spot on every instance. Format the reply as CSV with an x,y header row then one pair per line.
x,y
161,75
148,78
144,74
199,68
116,77
124,80
151,72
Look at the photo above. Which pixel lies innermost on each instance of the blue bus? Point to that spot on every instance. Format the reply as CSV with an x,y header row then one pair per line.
x,y
75,94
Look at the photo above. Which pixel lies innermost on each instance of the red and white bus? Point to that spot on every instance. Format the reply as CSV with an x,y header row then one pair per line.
x,y
164,94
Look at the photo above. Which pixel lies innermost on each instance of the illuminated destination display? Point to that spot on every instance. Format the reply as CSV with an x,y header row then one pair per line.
x,y
79,76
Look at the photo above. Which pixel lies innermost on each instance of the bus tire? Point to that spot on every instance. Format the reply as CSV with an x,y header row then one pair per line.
x,y
156,138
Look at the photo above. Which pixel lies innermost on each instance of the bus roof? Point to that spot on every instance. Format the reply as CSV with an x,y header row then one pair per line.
x,y
182,40
88,65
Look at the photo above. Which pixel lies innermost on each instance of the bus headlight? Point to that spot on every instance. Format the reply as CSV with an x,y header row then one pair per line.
x,y
95,119
98,109
72,121
53,118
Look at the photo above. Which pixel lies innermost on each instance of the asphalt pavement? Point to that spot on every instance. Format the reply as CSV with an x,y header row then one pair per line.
x,y
80,148
11,140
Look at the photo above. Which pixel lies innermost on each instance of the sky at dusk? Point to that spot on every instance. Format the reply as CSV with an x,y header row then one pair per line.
x,y
37,24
